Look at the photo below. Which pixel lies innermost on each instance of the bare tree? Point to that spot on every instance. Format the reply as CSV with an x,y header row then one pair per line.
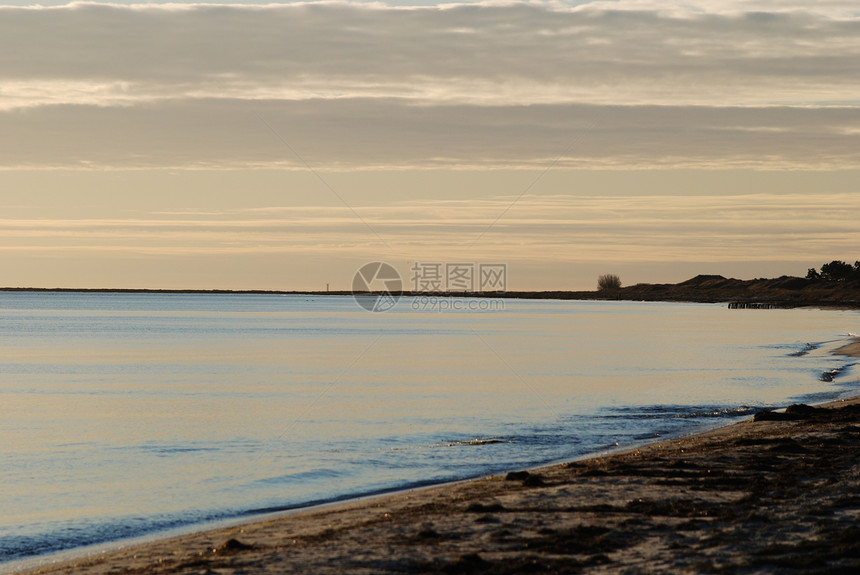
x,y
608,281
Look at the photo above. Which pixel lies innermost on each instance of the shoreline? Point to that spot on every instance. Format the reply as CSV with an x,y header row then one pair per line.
x,y
746,495
850,349
740,295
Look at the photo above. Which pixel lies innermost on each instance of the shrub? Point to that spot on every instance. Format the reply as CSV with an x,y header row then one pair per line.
x,y
608,281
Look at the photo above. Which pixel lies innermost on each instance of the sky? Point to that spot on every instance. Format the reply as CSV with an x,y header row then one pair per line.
x,y
284,145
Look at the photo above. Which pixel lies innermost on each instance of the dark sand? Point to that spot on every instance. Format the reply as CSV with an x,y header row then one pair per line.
x,y
771,496
851,349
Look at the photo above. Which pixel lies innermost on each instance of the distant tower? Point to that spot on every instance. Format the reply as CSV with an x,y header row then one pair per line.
x,y
326,288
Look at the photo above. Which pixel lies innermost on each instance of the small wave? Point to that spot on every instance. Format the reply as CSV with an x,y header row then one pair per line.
x,y
175,449
65,535
477,441
302,476
809,347
394,488
832,374
680,412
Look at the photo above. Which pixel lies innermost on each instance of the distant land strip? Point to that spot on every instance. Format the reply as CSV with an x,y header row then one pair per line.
x,y
783,292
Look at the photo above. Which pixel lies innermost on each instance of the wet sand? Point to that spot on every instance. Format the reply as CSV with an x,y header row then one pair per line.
x,y
850,349
778,495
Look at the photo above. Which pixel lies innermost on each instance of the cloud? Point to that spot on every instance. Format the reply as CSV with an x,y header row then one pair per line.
x,y
552,228
504,54
487,84
390,133
760,8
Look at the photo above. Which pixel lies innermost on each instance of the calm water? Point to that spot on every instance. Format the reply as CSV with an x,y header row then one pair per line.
x,y
123,415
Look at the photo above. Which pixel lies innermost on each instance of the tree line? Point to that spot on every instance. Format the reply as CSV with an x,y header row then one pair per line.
x,y
835,271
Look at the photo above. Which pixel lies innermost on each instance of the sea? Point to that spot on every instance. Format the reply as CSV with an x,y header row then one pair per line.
x,y
129,415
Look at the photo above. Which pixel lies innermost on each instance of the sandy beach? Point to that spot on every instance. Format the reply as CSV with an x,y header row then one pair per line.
x,y
779,494
385,287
